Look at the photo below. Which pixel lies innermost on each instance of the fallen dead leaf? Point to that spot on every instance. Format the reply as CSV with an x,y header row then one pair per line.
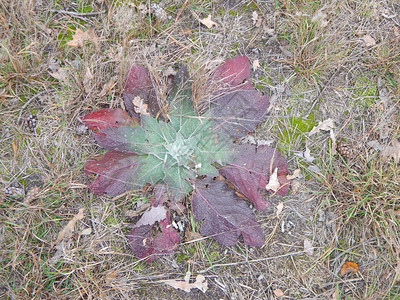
x,y
296,174
32,194
80,37
140,106
279,209
279,293
307,155
295,185
256,64
169,71
256,19
368,40
111,276
392,151
87,80
273,183
325,125
349,267
86,231
61,74
66,232
320,17
308,247
191,236
107,88
208,22
184,285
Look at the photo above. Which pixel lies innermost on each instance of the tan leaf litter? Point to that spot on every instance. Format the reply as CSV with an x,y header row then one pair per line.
x,y
256,64
368,40
308,247
296,174
80,37
107,88
325,125
279,209
67,231
32,194
273,183
279,293
185,285
320,17
392,151
256,19
140,106
208,22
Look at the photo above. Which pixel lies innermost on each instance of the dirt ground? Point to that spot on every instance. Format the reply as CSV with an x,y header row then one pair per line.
x,y
317,60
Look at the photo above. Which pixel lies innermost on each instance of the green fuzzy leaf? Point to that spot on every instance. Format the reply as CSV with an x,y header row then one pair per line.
x,y
150,170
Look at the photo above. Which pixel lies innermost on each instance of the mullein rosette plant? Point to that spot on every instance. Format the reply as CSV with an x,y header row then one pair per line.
x,y
181,154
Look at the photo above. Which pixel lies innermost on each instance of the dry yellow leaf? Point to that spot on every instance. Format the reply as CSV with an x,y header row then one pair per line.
x,y
349,267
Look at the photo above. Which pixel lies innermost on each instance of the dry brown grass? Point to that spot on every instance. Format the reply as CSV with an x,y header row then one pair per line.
x,y
349,210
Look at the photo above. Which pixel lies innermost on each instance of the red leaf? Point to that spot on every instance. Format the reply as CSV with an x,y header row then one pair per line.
x,y
108,117
145,244
251,169
116,172
234,72
225,215
138,84
238,113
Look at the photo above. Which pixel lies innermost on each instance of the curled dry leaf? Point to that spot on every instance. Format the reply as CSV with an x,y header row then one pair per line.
x,y
107,88
208,22
185,285
349,267
80,37
308,247
66,232
273,183
368,40
256,64
32,194
279,293
392,151
326,125
139,106
296,174
279,209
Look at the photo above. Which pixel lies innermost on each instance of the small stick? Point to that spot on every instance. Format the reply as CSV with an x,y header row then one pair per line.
x,y
77,14
180,11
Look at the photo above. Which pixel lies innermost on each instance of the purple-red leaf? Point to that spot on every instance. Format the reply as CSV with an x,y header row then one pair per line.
x,y
138,84
238,113
108,117
116,172
233,72
225,215
144,243
250,171
125,138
